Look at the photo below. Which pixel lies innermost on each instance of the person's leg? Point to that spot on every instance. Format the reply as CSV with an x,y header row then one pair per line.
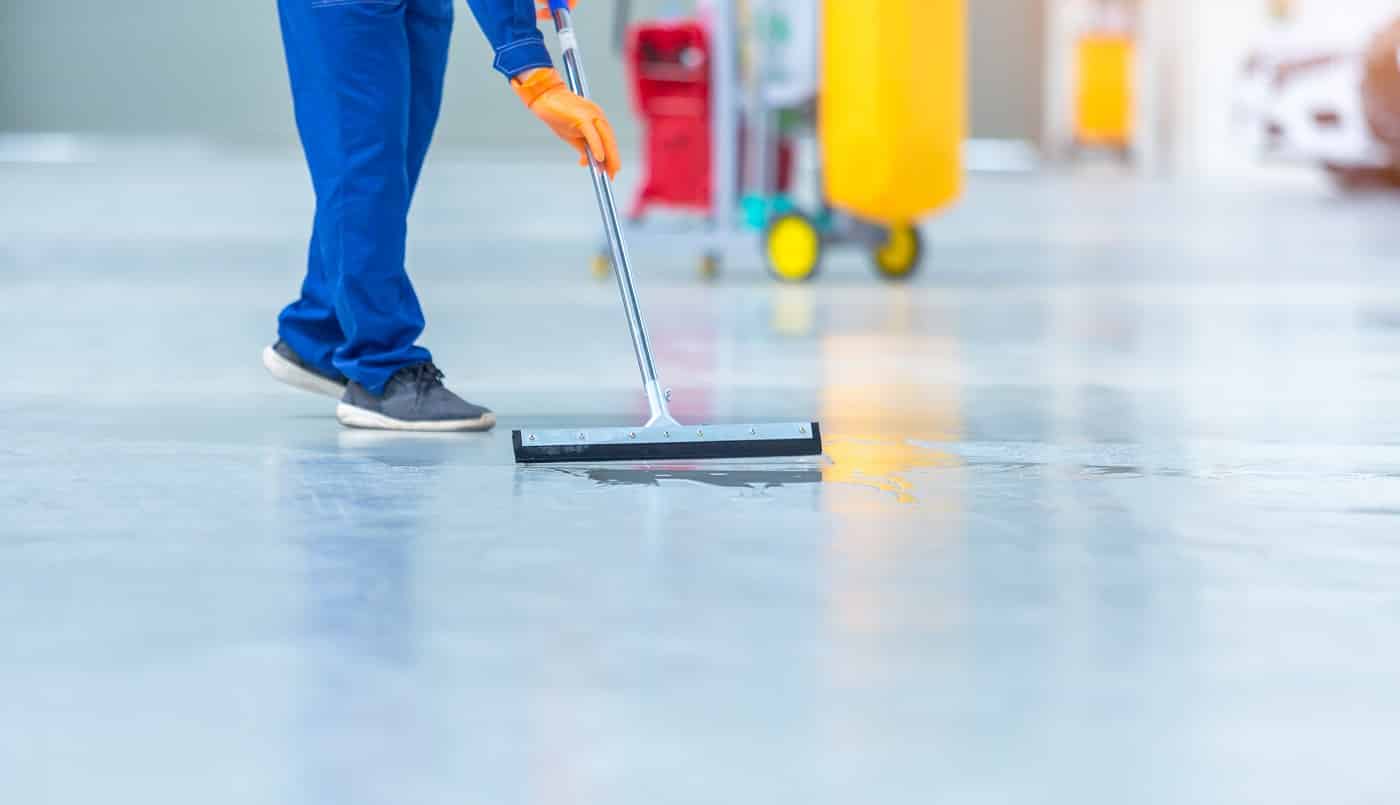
x,y
350,67
309,325
367,94
429,25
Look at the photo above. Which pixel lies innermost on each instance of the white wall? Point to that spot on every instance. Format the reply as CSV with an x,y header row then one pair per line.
x,y
215,70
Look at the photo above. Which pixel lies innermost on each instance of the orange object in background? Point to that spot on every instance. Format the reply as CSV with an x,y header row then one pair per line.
x,y
1105,99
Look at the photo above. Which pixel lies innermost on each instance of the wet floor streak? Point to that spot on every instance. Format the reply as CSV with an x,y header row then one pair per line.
x,y
724,478
890,466
882,464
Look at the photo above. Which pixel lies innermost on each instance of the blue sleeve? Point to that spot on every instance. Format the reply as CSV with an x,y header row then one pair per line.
x,y
510,27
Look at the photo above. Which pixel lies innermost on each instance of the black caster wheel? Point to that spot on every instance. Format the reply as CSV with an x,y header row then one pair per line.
x,y
710,267
900,255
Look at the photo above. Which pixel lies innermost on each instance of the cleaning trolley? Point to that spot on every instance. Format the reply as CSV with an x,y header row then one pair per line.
x,y
727,97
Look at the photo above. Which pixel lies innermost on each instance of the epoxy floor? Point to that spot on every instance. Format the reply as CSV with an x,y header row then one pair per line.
x,y
1110,510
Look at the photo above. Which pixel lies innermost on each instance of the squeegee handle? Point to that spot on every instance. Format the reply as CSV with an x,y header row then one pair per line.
x,y
568,46
612,226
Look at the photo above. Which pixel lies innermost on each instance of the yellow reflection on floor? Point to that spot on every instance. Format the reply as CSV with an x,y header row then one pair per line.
x,y
881,464
891,393
885,389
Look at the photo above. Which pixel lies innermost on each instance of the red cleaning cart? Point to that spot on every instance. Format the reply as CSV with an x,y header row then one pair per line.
x,y
668,64
669,68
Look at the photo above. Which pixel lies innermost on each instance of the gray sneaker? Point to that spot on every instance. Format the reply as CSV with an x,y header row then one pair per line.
x,y
287,366
413,399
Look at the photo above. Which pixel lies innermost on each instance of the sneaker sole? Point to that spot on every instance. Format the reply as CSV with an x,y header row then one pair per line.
x,y
354,417
297,377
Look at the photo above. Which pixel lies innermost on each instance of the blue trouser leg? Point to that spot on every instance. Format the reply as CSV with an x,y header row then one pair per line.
x,y
366,84
429,26
309,324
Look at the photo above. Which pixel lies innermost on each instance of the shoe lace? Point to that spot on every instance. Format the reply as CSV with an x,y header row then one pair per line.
x,y
425,377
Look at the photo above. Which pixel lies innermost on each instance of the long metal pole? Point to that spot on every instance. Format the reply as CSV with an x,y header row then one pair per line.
x,y
724,80
759,120
607,206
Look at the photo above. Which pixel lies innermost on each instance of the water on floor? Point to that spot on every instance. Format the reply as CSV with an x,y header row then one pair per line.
x,y
1110,508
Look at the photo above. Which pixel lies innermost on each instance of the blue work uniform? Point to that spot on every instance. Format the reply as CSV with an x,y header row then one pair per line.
x,y
367,79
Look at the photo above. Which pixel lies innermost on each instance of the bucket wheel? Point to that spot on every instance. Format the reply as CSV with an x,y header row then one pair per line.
x,y
710,265
600,266
793,247
899,256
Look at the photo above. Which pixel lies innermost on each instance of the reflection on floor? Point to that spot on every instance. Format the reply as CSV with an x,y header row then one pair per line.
x,y
1108,513
878,411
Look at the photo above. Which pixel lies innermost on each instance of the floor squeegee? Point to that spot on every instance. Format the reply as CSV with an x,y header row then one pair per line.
x,y
662,438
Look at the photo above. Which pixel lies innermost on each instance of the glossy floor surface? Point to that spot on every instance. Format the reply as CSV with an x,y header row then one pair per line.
x,y
1110,510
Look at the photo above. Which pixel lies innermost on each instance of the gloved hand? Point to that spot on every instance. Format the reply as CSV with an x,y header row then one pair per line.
x,y
577,121
542,9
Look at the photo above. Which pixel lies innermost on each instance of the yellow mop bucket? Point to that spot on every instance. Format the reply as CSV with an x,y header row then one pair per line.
x,y
893,106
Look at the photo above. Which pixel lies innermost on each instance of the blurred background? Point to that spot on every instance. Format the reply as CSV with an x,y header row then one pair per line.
x,y
1214,87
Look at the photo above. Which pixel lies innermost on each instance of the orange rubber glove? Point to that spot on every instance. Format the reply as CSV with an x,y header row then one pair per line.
x,y
577,121
542,9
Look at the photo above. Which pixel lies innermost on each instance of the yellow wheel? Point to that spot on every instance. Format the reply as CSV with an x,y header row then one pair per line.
x,y
600,266
709,267
793,247
899,257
